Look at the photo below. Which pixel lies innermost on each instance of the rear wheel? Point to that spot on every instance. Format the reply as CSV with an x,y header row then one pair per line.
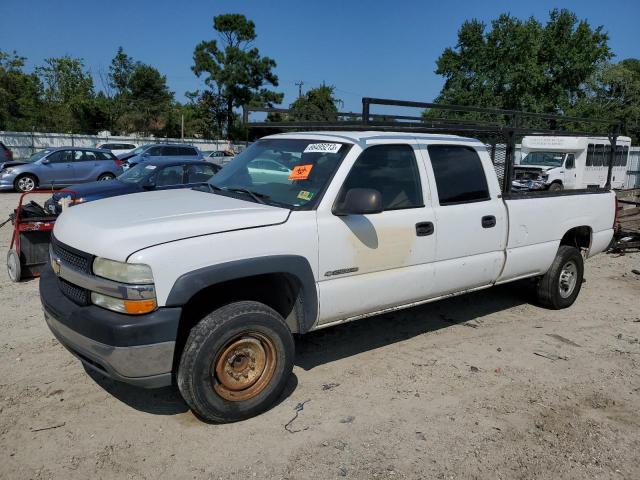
x,y
106,176
13,266
236,362
560,286
25,183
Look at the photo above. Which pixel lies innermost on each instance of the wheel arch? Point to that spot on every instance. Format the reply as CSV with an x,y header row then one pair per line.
x,y
283,282
579,237
29,174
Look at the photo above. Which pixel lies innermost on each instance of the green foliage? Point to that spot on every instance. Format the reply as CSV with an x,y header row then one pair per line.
x,y
235,72
522,65
317,104
20,105
613,92
68,94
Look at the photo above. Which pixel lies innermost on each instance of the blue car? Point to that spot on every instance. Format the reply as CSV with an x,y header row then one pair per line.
x,y
150,175
160,151
60,167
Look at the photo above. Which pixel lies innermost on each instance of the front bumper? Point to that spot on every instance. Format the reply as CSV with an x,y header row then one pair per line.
x,y
133,349
6,182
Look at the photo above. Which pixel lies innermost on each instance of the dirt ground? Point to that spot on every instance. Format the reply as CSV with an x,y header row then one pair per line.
x,y
463,388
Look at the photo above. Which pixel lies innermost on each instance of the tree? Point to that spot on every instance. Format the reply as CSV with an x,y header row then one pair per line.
x,y
20,106
613,92
235,71
68,93
120,72
522,65
149,101
317,104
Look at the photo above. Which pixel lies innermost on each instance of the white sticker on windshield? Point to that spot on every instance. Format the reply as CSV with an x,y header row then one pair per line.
x,y
150,167
322,148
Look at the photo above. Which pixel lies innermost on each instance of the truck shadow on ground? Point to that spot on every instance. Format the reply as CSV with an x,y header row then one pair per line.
x,y
343,341
349,339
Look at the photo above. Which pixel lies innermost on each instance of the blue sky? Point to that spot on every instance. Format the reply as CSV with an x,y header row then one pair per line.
x,y
373,48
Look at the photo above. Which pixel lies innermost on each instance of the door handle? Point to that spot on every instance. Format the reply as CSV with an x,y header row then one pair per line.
x,y
424,229
488,221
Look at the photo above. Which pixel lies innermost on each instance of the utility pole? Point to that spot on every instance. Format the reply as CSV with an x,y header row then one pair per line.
x,y
182,127
299,84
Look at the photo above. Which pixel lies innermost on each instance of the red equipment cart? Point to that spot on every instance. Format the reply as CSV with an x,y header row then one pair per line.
x,y
29,248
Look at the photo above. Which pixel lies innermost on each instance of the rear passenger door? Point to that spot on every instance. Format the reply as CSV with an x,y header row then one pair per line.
x,y
471,221
371,262
86,166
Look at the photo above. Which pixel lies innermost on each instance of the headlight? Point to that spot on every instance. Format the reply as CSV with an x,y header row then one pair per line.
x,y
132,307
544,176
122,272
8,170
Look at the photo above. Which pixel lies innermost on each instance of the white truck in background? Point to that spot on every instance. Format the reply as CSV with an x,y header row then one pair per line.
x,y
558,163
205,287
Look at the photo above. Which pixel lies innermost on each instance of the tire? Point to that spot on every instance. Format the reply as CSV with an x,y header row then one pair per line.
x,y
555,187
106,176
560,286
222,375
14,268
25,183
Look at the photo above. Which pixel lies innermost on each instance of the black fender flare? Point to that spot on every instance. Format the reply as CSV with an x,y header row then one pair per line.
x,y
188,284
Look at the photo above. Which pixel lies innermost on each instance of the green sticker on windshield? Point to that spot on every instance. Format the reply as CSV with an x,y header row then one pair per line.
x,y
304,195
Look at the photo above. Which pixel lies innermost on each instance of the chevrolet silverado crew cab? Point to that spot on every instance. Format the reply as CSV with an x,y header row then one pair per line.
x,y
206,286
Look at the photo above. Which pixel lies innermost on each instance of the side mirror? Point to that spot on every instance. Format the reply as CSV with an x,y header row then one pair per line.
x,y
146,154
360,201
45,161
149,184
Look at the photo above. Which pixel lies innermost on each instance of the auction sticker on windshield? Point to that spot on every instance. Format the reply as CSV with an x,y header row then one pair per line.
x,y
322,148
300,172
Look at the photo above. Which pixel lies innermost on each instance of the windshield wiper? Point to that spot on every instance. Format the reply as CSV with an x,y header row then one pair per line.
x,y
258,197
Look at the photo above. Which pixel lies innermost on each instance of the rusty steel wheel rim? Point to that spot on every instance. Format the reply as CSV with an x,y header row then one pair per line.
x,y
244,367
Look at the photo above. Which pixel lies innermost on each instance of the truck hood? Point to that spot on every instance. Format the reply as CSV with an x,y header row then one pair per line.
x,y
118,226
542,168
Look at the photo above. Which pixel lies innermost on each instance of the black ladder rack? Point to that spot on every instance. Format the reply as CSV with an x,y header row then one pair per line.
x,y
495,123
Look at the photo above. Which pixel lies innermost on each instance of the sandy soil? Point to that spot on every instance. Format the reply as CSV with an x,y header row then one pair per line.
x,y
448,390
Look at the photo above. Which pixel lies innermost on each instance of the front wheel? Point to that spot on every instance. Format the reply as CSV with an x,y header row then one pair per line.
x,y
560,286
106,176
555,187
236,362
25,183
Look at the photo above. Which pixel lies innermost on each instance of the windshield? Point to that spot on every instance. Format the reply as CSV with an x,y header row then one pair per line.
x,y
138,151
37,156
286,172
547,159
137,174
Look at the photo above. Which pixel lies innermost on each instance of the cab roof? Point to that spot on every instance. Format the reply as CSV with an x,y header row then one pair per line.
x,y
363,136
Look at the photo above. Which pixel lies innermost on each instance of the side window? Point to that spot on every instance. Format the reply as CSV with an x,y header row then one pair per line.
x,y
598,159
459,175
199,173
390,169
87,156
186,151
61,156
170,176
571,161
590,150
155,151
104,156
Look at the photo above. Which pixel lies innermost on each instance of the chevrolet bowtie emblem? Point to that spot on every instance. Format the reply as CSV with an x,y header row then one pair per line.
x,y
55,265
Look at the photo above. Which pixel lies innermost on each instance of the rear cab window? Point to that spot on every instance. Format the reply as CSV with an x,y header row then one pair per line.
x,y
459,175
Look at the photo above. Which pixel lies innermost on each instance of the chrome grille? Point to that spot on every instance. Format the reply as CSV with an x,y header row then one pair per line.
x,y
79,261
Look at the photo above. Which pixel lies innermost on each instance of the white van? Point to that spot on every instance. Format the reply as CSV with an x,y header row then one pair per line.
x,y
558,163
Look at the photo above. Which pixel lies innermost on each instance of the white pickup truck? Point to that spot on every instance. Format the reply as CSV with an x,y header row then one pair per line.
x,y
205,286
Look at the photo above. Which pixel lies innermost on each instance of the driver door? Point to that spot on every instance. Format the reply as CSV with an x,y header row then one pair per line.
x,y
570,172
59,169
376,261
